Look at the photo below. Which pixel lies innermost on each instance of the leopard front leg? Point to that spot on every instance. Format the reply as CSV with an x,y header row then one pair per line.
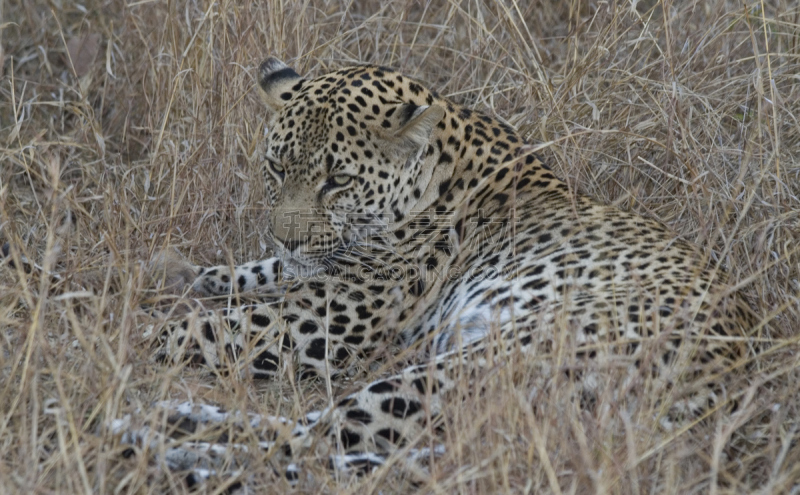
x,y
319,325
200,454
237,339
263,275
393,413
393,416
356,435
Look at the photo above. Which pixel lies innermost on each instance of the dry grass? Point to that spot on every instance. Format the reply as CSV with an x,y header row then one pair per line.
x,y
126,128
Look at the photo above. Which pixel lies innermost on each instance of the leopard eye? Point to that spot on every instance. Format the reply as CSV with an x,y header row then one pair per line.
x,y
277,168
337,181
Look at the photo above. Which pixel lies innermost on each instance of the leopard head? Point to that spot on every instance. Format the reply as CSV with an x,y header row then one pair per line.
x,y
347,153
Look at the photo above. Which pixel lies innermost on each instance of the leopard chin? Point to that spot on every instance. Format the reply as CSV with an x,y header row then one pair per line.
x,y
307,265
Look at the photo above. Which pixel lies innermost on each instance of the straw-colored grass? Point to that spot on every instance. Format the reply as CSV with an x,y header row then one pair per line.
x,y
131,127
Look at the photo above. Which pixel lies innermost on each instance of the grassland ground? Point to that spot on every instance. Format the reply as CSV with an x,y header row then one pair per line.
x,y
129,128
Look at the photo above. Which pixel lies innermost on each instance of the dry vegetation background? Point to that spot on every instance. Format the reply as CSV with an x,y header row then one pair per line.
x,y
130,127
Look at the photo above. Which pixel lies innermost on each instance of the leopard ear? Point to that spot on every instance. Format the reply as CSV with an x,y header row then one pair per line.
x,y
416,124
277,81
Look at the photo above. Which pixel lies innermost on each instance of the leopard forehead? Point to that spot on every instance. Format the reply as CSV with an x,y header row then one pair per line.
x,y
341,113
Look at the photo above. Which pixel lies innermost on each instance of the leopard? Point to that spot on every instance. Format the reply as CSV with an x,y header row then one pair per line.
x,y
401,220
